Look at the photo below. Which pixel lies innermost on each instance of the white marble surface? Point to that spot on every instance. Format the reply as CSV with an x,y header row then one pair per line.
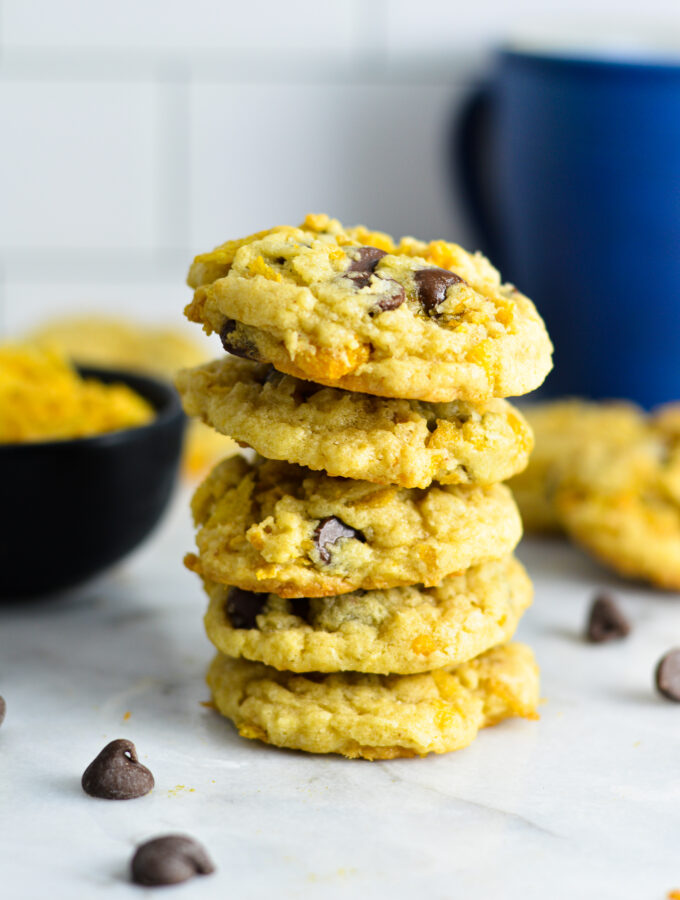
x,y
583,804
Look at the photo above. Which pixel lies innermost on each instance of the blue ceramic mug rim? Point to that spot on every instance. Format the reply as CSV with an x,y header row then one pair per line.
x,y
572,57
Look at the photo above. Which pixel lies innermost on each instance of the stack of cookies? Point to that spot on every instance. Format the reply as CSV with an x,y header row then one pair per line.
x,y
359,568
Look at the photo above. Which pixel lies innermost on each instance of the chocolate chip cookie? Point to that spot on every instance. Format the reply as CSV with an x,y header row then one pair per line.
x,y
423,321
400,630
622,502
405,442
276,527
563,431
376,716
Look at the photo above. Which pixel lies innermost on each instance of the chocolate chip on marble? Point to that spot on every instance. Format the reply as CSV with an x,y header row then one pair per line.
x,y
243,348
3,709
170,859
117,774
432,285
365,259
606,622
243,607
667,675
330,530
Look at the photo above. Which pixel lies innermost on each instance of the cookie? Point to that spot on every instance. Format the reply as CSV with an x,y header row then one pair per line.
x,y
400,630
376,716
562,430
404,442
275,527
323,307
622,503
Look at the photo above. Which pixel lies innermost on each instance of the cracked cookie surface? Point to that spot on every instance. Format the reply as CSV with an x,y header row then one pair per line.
x,y
399,630
406,442
416,320
376,716
276,527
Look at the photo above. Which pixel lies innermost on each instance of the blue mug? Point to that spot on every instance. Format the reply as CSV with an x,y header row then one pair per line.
x,y
570,170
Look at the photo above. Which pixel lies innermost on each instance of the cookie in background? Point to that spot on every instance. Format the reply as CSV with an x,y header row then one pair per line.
x,y
112,342
608,475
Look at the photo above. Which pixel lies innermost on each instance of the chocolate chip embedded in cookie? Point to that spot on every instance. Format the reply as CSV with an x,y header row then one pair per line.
x,y
268,527
400,630
406,442
416,320
432,286
376,716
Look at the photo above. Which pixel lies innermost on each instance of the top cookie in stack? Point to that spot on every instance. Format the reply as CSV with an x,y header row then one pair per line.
x,y
370,383
351,309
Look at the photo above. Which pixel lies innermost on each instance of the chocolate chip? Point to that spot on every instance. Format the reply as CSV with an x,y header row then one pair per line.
x,y
243,606
606,622
3,709
359,279
667,675
330,530
170,859
365,259
432,285
392,300
232,344
117,774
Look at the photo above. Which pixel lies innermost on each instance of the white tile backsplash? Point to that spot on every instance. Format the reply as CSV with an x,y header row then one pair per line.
x,y
178,24
265,155
139,132
448,28
77,165
30,304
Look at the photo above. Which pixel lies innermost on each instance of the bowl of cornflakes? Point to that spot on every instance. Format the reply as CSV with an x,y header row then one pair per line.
x,y
89,461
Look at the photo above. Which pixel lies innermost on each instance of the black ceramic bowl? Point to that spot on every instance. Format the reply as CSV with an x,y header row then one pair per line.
x,y
69,509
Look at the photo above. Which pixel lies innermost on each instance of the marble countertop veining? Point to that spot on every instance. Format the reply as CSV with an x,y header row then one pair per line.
x,y
584,803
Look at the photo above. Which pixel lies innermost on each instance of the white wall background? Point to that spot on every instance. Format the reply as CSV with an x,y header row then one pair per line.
x,y
139,132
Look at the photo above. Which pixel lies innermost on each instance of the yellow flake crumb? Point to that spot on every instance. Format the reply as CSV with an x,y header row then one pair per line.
x,y
43,398
423,644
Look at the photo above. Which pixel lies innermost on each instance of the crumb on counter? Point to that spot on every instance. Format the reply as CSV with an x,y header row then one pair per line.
x,y
43,398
